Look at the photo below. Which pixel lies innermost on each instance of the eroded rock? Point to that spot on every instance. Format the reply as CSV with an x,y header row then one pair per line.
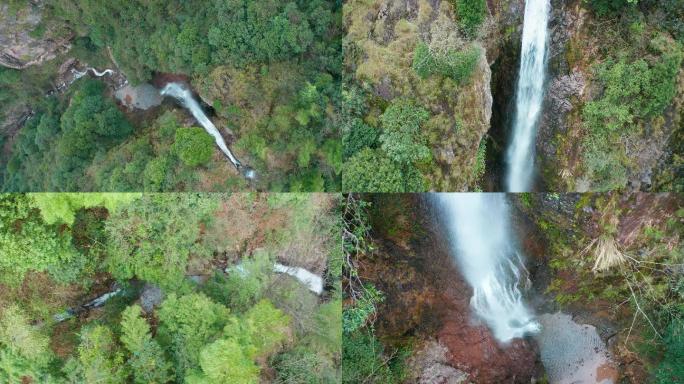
x,y
24,41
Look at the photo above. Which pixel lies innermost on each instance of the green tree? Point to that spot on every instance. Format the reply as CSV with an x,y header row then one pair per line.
x,y
147,358
267,326
194,146
224,361
24,351
187,324
359,135
244,284
28,244
101,361
153,237
57,208
90,124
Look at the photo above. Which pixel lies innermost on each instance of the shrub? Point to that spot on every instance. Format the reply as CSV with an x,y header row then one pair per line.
x,y
457,65
609,7
471,14
194,146
364,360
244,284
671,369
24,352
301,365
28,244
402,138
634,93
371,171
100,359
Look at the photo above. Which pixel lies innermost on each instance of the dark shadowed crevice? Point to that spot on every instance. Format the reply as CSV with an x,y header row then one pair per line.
x,y
504,78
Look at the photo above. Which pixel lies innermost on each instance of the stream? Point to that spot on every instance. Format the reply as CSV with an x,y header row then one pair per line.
x,y
312,281
529,97
488,257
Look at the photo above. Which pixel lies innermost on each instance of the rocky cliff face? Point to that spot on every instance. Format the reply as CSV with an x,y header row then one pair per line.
x,y
382,36
25,40
578,43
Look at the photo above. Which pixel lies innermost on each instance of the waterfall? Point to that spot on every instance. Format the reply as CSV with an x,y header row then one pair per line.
x,y
529,96
95,303
185,97
485,251
311,280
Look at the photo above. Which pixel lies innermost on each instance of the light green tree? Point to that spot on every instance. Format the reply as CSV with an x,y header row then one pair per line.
x,y
146,356
187,324
100,358
24,351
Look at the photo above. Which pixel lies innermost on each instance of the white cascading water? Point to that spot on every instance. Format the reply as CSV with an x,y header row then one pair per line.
x,y
488,258
529,96
182,94
78,75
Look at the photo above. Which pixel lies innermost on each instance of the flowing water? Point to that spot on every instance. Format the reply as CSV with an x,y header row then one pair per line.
x,y
181,93
94,71
529,96
487,255
311,280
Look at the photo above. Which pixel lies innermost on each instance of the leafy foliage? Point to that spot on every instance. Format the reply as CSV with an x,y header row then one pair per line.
x,y
364,360
194,146
188,337
244,285
147,359
24,351
284,128
224,361
153,238
610,7
89,125
671,370
55,147
187,323
27,243
372,171
471,14
635,93
100,359
457,65
267,327
401,136
56,208
364,309
359,135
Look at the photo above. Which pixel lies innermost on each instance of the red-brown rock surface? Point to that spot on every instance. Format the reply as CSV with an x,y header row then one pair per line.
x,y
427,298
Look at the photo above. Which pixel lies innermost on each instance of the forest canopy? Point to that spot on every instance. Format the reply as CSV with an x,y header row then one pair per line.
x,y
268,71
186,287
